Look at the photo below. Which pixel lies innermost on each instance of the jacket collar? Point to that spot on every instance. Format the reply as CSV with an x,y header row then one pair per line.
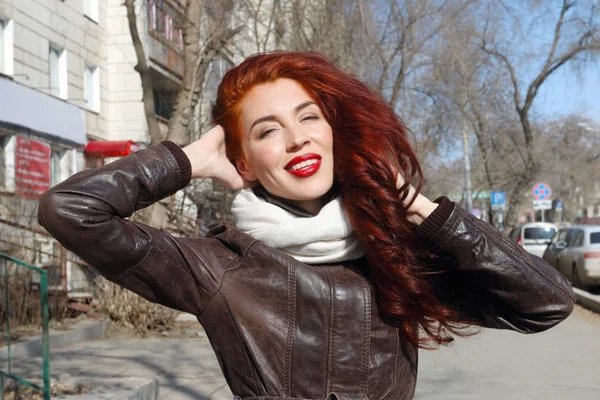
x,y
261,192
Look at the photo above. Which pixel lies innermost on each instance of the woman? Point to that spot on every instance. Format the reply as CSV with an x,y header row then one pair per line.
x,y
337,269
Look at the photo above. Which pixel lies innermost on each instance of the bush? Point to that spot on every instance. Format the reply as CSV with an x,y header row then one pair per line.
x,y
127,309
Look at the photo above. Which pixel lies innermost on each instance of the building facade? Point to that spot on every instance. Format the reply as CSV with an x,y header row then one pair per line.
x,y
70,98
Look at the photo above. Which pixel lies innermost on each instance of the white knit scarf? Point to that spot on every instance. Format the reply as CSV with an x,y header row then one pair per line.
x,y
325,238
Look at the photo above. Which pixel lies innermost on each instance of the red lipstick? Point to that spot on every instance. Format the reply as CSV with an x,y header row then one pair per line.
x,y
305,165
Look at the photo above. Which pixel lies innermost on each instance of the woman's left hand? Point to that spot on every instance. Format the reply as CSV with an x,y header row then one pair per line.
x,y
420,209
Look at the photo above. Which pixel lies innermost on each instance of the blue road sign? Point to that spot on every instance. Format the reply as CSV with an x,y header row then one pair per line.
x,y
498,198
558,206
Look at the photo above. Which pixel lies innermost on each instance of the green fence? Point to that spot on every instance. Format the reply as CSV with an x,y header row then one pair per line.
x,y
5,261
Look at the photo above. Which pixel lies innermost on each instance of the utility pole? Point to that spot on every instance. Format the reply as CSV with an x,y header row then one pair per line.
x,y
467,160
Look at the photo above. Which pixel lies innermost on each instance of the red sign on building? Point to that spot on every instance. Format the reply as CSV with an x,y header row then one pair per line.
x,y
32,172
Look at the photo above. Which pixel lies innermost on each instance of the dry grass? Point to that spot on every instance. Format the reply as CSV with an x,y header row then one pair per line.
x,y
131,311
21,392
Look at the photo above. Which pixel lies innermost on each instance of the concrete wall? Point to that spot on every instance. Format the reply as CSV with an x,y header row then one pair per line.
x,y
40,23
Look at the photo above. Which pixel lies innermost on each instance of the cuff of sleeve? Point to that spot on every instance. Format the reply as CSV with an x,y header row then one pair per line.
x,y
185,166
434,222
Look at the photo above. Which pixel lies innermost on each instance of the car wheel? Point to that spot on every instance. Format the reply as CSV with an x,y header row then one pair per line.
x,y
577,279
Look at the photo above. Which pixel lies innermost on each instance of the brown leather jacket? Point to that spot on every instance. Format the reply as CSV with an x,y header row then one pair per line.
x,y
282,329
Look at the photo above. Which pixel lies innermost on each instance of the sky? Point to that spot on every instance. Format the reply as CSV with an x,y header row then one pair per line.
x,y
567,91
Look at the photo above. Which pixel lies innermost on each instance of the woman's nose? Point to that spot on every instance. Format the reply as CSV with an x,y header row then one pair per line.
x,y
297,139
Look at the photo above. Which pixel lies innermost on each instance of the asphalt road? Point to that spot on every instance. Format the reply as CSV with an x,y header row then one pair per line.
x,y
559,364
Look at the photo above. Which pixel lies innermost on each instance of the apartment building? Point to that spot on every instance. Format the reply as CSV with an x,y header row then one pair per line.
x,y
70,98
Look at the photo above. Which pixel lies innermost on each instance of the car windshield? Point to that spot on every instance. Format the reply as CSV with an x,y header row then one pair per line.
x,y
539,233
594,237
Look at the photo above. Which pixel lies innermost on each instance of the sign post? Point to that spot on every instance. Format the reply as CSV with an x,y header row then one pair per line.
x,y
542,197
558,206
499,204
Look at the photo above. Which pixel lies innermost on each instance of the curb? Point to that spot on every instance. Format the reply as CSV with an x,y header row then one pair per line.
x,y
119,389
80,332
587,300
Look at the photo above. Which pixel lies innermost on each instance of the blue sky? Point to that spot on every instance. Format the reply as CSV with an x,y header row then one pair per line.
x,y
568,91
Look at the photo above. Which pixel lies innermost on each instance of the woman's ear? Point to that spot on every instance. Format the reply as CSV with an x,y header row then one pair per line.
x,y
245,171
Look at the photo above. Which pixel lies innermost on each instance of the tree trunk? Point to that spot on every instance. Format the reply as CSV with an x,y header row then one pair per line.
x,y
144,70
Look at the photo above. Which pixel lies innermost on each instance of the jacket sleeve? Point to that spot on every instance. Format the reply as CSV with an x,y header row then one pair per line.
x,y
88,214
490,280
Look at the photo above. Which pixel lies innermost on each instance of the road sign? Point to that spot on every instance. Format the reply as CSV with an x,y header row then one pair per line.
x,y
542,191
558,206
542,204
498,200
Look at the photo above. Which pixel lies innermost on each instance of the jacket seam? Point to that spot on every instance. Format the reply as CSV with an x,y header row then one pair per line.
x,y
395,380
330,370
511,251
227,269
136,264
291,324
253,375
366,353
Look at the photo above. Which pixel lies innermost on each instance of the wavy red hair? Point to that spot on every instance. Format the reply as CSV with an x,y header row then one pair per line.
x,y
370,148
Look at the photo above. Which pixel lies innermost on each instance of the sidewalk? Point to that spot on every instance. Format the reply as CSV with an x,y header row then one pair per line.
x,y
560,364
186,369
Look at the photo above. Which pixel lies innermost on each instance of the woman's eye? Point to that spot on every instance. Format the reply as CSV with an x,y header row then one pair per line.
x,y
264,134
309,117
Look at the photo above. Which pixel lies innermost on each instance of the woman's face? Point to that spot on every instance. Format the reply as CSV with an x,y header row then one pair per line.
x,y
288,143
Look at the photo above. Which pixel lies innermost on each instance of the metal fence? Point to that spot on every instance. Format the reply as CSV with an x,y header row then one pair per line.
x,y
5,261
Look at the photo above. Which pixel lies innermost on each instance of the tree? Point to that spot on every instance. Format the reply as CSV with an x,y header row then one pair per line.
x,y
575,35
197,56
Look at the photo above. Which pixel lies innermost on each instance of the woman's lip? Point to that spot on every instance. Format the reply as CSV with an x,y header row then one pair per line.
x,y
306,171
299,159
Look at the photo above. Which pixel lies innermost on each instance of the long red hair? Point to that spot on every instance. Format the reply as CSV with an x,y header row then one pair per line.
x,y
370,148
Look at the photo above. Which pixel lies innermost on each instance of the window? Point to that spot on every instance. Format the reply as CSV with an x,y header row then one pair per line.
x,y
91,9
3,143
576,239
58,72
164,103
539,233
6,47
91,80
60,165
563,235
594,237
164,22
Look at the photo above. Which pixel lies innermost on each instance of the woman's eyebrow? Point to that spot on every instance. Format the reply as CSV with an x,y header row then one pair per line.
x,y
274,118
304,105
263,119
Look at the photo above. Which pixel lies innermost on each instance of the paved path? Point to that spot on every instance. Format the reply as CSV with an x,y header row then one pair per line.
x,y
562,363
559,364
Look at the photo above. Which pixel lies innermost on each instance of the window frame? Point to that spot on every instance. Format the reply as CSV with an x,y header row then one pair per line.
x,y
91,87
58,69
7,46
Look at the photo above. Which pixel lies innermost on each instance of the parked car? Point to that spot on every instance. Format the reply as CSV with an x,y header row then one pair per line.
x,y
557,244
579,260
534,236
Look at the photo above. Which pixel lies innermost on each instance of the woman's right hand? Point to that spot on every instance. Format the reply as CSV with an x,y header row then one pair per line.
x,y
208,159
